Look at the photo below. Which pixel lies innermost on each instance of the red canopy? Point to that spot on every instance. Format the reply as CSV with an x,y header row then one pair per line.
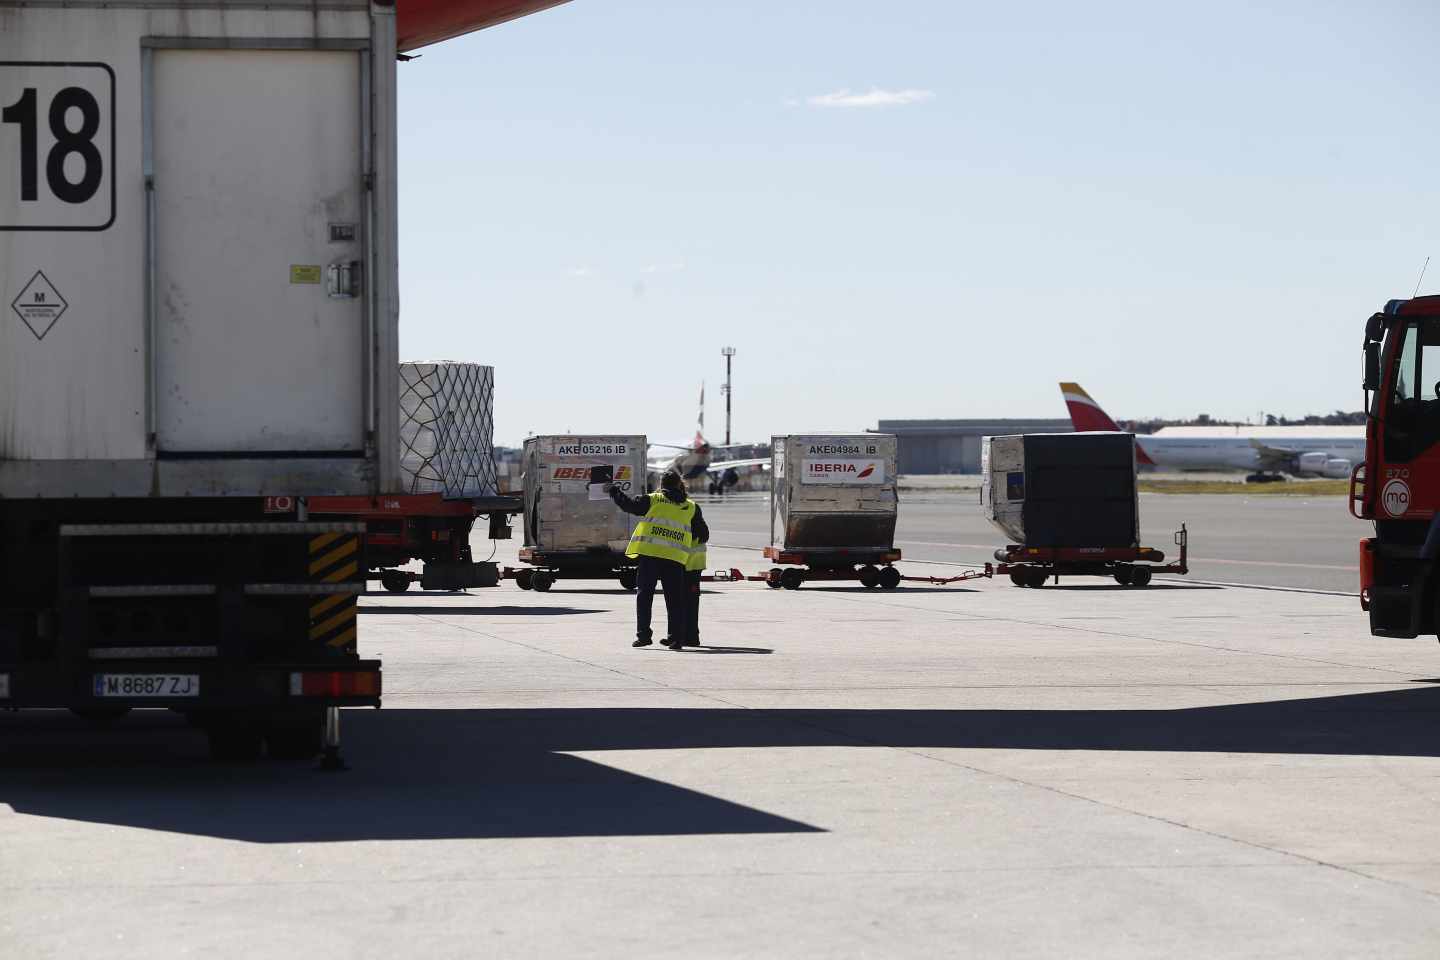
x,y
420,22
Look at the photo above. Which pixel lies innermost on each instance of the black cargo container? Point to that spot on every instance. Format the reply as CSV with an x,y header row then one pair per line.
x,y
1062,489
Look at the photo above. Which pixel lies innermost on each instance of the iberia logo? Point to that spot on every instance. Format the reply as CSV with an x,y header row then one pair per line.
x,y
622,473
866,472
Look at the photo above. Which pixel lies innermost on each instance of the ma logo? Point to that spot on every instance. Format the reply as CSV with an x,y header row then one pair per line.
x,y
1395,498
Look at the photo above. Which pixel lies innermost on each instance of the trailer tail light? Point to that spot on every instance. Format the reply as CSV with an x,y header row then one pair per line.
x,y
335,684
890,557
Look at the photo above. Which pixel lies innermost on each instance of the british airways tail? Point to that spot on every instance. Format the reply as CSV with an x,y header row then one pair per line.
x,y
1086,416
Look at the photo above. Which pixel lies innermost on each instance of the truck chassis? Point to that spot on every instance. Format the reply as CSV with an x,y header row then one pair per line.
x,y
246,626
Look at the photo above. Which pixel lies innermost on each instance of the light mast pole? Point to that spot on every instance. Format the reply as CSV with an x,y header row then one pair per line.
x,y
728,353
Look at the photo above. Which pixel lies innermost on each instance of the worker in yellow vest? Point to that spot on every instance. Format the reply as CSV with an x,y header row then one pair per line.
x,y
693,571
662,545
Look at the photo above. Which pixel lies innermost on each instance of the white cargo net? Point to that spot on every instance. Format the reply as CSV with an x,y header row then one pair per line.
x,y
447,429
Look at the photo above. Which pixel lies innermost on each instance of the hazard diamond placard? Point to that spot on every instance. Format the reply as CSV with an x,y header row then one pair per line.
x,y
39,305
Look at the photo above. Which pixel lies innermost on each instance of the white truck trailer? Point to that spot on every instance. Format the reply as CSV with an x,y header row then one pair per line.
x,y
198,269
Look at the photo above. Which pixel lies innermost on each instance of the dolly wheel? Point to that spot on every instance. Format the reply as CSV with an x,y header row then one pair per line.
x,y
773,580
525,579
543,581
1140,577
1017,577
870,577
628,579
1036,577
395,581
791,579
1124,575
889,578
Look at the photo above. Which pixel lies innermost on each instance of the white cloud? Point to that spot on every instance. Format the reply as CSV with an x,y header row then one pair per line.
x,y
581,271
875,98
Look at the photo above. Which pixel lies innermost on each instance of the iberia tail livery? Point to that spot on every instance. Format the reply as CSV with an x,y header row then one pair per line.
x,y
1086,416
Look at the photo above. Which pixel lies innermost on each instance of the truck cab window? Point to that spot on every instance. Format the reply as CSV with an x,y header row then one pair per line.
x,y
1413,421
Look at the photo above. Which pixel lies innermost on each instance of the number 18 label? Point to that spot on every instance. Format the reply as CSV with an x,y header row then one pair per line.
x,y
57,146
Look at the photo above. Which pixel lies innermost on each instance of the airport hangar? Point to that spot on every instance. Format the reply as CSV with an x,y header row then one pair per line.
x,y
953,446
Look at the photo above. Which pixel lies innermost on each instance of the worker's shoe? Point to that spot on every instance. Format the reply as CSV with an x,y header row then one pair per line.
x,y
669,642
642,642
693,642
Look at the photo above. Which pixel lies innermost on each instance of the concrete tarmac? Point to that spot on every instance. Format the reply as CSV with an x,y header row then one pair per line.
x,y
1082,771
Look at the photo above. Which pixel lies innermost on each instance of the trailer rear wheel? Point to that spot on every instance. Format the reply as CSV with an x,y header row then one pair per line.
x,y
791,579
870,577
295,734
1036,577
1140,577
395,581
628,579
773,580
235,739
100,717
525,579
1124,575
1017,577
543,581
889,578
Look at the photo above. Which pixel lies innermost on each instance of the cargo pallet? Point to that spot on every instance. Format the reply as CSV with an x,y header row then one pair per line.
x,y
1034,566
848,565
548,567
424,527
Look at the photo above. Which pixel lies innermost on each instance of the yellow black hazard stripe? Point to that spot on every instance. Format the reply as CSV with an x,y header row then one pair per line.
x,y
334,559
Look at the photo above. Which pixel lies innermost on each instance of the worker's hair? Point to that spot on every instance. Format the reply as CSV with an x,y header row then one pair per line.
x,y
671,480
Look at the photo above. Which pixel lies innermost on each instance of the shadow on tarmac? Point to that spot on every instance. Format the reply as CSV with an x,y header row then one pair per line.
x,y
443,774
505,611
414,775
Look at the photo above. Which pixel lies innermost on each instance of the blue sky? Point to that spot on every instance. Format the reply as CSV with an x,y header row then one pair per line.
x,y
915,209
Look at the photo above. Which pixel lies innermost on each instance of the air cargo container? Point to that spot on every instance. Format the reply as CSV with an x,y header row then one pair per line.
x,y
833,506
447,481
197,262
1062,489
1068,502
573,530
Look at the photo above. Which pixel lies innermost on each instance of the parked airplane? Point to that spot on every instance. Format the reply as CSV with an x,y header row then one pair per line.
x,y
698,460
1265,451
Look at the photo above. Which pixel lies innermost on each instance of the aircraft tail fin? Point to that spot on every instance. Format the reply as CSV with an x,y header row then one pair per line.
x,y
1087,416
700,420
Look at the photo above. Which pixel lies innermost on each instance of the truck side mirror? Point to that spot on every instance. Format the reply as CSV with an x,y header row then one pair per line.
x,y
1375,327
1372,366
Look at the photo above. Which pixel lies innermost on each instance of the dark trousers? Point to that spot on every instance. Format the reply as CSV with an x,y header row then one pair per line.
x,y
671,576
692,594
